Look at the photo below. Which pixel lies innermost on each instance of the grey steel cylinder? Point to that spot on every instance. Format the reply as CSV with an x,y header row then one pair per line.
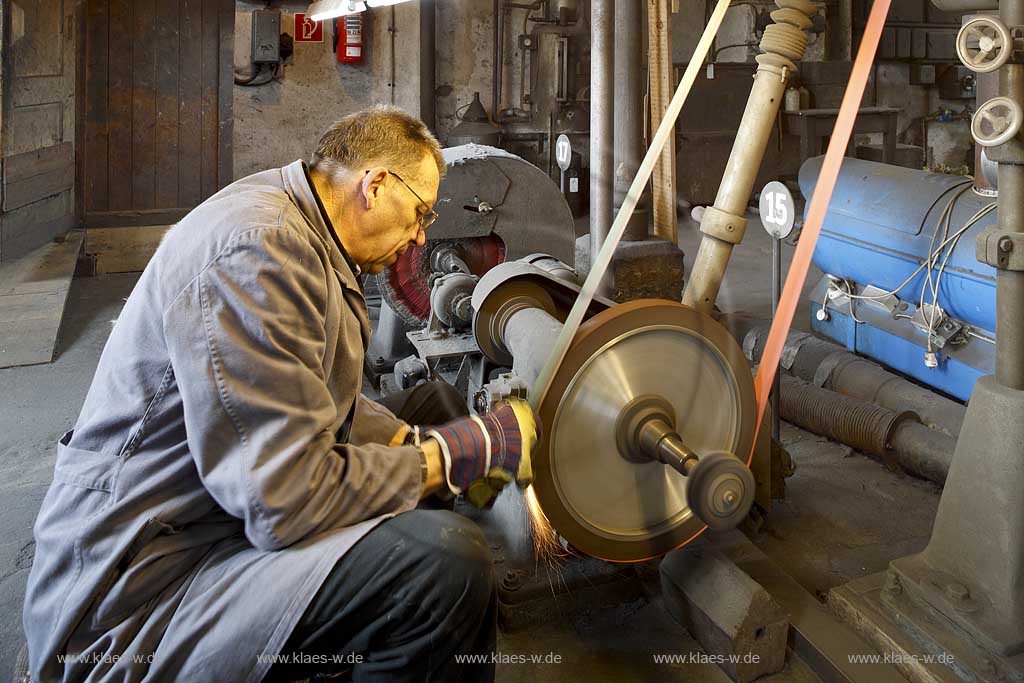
x,y
1010,284
629,114
723,224
602,124
529,335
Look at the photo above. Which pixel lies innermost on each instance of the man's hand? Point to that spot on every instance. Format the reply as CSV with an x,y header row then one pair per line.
x,y
482,454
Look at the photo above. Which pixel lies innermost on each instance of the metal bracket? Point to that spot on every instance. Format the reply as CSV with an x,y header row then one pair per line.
x,y
722,225
1001,249
506,386
944,329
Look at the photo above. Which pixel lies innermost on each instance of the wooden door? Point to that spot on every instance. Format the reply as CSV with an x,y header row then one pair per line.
x,y
37,123
156,105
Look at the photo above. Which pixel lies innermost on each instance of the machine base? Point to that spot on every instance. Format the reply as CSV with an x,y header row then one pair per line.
x,y
576,585
918,641
971,571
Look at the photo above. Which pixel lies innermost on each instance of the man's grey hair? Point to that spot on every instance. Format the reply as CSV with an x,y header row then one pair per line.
x,y
383,135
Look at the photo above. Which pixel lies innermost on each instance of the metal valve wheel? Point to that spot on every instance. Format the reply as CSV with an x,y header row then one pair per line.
x,y
984,44
997,121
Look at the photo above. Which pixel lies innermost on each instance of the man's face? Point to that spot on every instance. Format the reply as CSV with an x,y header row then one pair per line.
x,y
395,206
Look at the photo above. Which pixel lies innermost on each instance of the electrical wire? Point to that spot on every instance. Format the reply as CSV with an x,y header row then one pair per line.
x,y
252,82
930,262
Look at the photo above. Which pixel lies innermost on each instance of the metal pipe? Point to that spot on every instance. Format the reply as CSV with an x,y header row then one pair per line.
x,y
831,366
428,40
783,43
525,335
392,30
868,428
923,451
497,59
1010,328
602,61
776,295
1010,284
628,108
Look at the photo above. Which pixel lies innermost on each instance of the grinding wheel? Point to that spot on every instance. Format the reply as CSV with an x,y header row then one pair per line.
x,y
405,286
600,502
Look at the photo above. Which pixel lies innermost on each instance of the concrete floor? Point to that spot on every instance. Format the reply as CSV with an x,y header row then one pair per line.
x,y
845,515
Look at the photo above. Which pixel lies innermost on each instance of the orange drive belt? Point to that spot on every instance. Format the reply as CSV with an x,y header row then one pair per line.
x,y
826,183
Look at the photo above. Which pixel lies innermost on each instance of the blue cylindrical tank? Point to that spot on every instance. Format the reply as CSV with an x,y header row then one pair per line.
x,y
879,227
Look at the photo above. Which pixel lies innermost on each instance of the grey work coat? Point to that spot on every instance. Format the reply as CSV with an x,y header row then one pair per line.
x,y
202,497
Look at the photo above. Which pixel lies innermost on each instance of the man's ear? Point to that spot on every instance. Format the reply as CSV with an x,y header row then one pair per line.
x,y
371,184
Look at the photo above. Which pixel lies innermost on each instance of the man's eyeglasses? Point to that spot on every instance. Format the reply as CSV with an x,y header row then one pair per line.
x,y
427,218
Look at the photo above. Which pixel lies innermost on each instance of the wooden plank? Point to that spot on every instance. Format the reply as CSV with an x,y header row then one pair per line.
x,y
143,177
42,270
32,189
134,218
190,105
19,241
36,52
166,91
29,128
32,301
663,194
37,162
210,81
94,163
28,327
123,250
28,92
119,112
225,133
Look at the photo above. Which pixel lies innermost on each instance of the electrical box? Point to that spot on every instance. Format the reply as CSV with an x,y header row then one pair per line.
x,y
266,36
956,83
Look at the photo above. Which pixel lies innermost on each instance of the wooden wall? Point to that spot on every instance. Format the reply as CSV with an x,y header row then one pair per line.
x,y
37,123
156,100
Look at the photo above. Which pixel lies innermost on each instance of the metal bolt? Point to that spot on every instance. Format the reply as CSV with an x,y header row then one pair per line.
x,y
729,497
957,592
1005,245
511,580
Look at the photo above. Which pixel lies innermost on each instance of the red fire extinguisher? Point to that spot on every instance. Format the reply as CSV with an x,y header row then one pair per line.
x,y
349,38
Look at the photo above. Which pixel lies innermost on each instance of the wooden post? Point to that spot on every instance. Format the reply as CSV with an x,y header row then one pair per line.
x,y
662,85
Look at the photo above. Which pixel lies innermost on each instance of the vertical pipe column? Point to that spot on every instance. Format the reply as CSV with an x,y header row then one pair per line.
x,y
428,39
602,62
1010,284
663,195
497,57
723,224
629,107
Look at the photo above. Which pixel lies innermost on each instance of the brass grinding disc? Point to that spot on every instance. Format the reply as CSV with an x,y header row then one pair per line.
x,y
601,503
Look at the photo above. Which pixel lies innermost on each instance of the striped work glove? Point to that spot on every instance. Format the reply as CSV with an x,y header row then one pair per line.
x,y
483,453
